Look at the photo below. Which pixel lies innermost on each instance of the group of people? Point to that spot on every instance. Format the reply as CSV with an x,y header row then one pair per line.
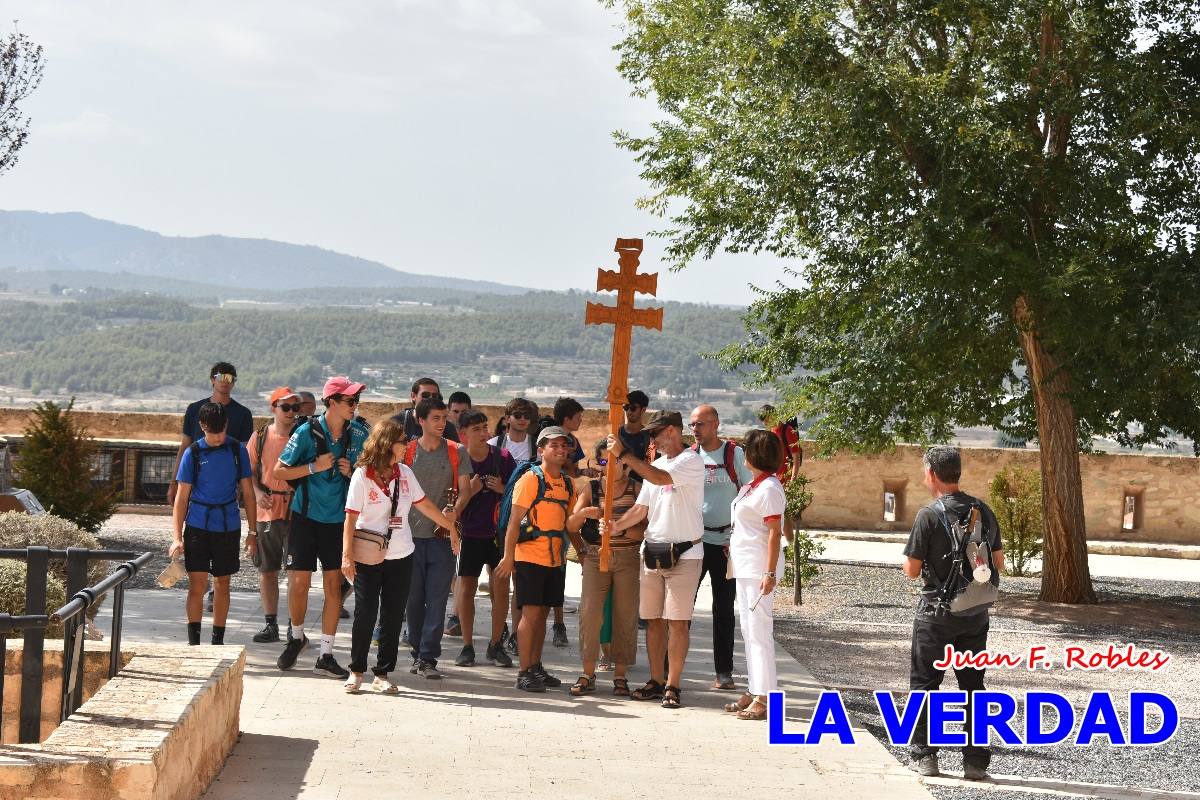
x,y
413,505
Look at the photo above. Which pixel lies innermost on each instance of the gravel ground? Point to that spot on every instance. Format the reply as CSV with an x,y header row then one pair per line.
x,y
854,628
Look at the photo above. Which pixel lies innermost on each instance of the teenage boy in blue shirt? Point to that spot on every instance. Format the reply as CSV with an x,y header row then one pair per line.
x,y
206,521
318,512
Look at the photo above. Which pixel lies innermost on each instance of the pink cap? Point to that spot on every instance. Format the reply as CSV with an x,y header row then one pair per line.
x,y
340,384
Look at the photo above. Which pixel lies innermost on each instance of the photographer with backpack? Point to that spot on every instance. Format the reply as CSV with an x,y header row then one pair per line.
x,y
317,461
956,550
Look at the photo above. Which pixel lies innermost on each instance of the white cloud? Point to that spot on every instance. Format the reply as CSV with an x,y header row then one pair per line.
x,y
89,126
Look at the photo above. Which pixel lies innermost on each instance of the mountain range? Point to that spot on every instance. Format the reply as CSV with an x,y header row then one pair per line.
x,y
106,254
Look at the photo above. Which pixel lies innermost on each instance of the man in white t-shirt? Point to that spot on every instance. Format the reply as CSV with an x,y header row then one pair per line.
x,y
672,502
519,415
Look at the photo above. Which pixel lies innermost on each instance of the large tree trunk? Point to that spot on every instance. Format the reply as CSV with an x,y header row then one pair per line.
x,y
1065,574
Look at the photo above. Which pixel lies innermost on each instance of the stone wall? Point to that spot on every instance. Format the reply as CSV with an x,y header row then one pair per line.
x,y
848,489
95,674
160,730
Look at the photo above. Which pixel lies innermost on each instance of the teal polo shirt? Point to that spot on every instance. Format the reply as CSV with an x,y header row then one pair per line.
x,y
720,491
326,490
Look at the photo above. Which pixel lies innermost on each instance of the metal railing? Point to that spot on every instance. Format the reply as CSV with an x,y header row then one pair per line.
x,y
73,618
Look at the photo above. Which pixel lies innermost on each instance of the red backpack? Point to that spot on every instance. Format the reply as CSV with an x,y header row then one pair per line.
x,y
727,458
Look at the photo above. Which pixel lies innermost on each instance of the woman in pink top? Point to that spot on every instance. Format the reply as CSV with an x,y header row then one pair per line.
x,y
755,555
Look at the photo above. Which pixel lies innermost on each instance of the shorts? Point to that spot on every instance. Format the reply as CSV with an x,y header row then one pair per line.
x,y
670,593
214,552
272,545
539,586
309,540
474,554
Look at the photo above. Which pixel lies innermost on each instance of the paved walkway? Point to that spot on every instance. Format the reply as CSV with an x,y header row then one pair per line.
x,y
303,737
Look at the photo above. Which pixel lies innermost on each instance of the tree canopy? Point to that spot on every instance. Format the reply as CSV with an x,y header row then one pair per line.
x,y
991,204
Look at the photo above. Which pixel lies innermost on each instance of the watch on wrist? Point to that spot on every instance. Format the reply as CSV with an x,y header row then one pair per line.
x,y
768,574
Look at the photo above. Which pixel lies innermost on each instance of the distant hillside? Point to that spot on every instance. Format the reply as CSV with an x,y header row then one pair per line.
x,y
71,243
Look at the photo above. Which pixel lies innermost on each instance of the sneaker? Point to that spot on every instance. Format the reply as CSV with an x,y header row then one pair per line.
x,y
926,766
428,669
724,680
416,665
549,680
560,635
511,645
208,600
269,633
328,666
453,626
530,682
343,614
383,685
496,655
974,772
466,658
287,659
353,684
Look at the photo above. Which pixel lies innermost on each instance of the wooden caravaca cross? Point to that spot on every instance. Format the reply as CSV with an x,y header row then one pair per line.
x,y
623,317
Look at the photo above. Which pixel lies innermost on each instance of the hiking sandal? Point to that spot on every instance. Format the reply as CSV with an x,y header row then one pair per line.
x,y
651,691
585,684
620,687
756,711
741,704
671,697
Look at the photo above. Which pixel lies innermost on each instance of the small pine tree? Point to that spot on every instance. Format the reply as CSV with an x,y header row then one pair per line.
x,y
56,465
1016,498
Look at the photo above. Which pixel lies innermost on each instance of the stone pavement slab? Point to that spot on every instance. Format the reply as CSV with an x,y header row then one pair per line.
x,y
473,733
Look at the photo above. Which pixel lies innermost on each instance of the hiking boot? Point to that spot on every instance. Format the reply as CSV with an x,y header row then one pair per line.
x,y
530,682
549,680
974,772
326,665
926,766
287,659
496,655
466,658
428,669
453,626
269,633
560,635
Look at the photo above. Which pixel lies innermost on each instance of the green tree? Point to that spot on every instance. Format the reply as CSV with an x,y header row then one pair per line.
x,y
20,73
56,465
990,206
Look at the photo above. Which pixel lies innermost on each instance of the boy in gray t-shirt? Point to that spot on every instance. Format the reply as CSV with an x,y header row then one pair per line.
x,y
434,556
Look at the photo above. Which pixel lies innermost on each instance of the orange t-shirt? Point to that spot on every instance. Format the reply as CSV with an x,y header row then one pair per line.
x,y
546,516
280,497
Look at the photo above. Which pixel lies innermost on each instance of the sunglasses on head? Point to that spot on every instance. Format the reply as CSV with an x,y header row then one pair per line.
x,y
430,395
288,406
224,377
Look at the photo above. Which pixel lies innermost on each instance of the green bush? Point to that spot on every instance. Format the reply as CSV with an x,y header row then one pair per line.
x,y
56,465
12,592
1016,497
799,555
56,533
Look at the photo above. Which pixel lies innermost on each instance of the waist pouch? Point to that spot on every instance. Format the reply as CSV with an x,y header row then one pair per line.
x,y
369,546
664,555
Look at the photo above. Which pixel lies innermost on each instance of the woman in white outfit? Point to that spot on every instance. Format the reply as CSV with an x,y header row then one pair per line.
x,y
756,557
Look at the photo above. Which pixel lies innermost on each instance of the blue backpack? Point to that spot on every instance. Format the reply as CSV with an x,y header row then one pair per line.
x,y
527,530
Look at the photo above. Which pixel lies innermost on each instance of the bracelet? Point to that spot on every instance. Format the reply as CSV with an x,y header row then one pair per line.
x,y
768,574
311,464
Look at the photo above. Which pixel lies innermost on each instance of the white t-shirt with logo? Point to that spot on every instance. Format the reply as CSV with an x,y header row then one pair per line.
x,y
676,510
518,450
758,503
373,504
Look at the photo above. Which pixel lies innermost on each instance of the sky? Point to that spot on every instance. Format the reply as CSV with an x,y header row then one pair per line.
x,y
450,137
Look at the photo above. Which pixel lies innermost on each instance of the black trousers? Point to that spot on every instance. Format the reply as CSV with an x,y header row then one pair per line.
x,y
379,590
724,594
930,637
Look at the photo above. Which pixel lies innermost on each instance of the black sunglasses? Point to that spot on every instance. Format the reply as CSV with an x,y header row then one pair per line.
x,y
631,406
430,395
338,398
519,415
288,406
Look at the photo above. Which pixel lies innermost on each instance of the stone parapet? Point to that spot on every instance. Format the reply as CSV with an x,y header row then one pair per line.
x,y
160,730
